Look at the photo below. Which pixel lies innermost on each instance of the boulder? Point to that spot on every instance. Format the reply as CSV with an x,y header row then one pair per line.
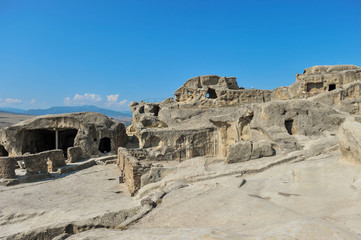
x,y
350,141
247,150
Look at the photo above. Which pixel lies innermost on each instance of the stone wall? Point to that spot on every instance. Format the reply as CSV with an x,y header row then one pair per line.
x,y
132,169
34,163
7,167
55,159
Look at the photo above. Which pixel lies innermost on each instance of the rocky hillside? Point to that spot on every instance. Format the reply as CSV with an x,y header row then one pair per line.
x,y
217,161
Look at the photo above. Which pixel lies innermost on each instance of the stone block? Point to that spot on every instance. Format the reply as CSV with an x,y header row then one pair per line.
x,y
75,154
239,152
262,149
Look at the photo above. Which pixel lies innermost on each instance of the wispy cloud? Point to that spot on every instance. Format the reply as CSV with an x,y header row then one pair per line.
x,y
32,101
12,100
9,101
82,99
112,100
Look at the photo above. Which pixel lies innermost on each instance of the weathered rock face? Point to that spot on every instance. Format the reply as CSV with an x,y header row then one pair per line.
x,y
350,141
145,115
211,116
319,79
346,98
278,121
94,133
212,90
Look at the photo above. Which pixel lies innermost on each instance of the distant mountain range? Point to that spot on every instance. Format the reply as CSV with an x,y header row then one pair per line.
x,y
69,109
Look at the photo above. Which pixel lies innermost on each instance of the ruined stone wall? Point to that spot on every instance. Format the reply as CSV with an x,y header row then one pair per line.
x,y
34,163
55,159
7,167
132,169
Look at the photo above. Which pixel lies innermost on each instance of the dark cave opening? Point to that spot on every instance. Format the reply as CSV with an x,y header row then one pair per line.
x,y
289,125
105,145
40,140
331,87
3,152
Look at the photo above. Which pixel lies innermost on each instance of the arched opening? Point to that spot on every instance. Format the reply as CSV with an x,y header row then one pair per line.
x,y
3,152
289,126
331,87
211,93
105,145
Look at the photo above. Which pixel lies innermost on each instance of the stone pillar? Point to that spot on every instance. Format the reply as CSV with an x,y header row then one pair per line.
x,y
56,138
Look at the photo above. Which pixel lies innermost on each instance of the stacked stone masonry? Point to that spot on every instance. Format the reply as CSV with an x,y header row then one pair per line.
x,y
34,163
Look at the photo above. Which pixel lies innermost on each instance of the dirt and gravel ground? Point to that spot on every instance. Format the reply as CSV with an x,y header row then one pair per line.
x,y
8,119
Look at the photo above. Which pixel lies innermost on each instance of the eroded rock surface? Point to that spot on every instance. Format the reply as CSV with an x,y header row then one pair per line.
x,y
94,133
350,141
219,162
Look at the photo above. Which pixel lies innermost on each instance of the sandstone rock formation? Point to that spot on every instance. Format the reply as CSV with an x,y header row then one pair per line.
x,y
217,161
94,133
211,116
319,79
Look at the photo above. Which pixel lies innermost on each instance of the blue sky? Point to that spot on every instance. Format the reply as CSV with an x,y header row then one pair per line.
x,y
109,53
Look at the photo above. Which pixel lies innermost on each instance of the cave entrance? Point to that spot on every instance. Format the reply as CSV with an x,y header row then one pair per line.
x,y
3,152
211,93
66,139
105,145
40,140
331,87
289,126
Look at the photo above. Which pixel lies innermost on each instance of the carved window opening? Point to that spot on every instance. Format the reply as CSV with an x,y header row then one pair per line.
x,y
211,93
105,145
331,87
